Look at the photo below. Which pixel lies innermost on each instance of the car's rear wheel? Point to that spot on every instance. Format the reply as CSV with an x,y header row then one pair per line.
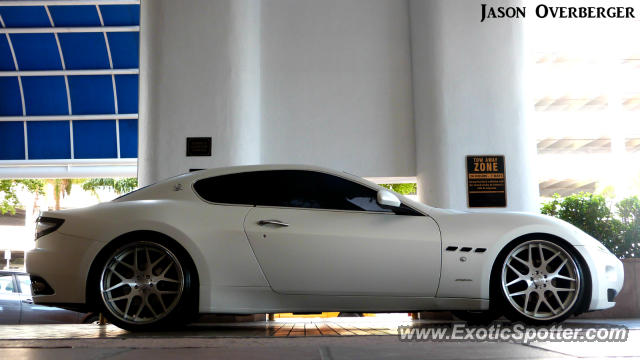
x,y
540,281
147,285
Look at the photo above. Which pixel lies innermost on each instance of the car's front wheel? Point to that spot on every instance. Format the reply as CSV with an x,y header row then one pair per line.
x,y
540,281
147,285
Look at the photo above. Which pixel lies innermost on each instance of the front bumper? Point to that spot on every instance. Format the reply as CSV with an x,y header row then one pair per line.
x,y
607,276
63,261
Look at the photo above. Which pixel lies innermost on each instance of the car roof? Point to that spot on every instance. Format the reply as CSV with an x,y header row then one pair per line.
x,y
192,177
251,168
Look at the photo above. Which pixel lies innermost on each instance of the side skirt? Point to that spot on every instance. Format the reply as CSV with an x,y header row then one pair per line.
x,y
253,300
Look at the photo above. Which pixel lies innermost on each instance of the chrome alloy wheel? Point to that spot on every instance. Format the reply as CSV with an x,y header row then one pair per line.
x,y
540,280
141,283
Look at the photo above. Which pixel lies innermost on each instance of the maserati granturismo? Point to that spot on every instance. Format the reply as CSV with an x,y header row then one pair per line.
x,y
305,239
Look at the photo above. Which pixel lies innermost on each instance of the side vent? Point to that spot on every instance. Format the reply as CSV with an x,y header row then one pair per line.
x,y
465,249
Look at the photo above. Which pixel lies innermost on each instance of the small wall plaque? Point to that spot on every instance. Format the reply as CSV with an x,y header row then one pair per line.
x,y
199,146
486,181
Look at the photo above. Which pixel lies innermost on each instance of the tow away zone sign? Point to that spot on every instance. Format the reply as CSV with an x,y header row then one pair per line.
x,y
486,181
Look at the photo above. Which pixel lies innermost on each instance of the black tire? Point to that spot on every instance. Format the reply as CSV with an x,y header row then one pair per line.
x,y
477,317
349,314
500,299
179,309
92,319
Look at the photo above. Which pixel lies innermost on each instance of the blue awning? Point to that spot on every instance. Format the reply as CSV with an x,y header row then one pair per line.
x,y
69,81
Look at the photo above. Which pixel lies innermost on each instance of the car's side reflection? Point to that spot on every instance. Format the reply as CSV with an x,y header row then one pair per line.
x,y
17,307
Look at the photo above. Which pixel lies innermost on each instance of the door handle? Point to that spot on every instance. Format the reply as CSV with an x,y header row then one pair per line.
x,y
27,301
272,222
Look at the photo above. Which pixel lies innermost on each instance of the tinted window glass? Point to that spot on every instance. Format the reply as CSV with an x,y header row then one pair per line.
x,y
289,188
229,189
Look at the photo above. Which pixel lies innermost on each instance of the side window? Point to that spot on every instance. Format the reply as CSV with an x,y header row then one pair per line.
x,y
291,188
25,284
6,284
237,189
314,190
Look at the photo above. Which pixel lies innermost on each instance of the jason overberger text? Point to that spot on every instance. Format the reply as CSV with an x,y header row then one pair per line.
x,y
561,12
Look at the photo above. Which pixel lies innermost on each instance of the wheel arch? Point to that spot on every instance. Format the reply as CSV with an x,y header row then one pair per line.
x,y
113,245
586,273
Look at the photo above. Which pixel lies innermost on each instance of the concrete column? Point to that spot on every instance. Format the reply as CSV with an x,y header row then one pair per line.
x,y
199,77
336,85
470,99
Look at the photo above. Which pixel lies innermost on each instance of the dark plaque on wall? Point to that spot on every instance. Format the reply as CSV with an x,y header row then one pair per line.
x,y
486,181
199,146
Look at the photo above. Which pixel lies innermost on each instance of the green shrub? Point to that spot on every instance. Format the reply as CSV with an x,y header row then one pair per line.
x,y
629,212
9,193
120,186
618,230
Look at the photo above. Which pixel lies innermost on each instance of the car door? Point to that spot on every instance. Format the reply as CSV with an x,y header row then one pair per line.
x,y
334,238
9,301
39,314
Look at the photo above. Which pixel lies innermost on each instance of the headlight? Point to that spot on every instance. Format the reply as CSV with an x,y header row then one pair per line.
x,y
47,225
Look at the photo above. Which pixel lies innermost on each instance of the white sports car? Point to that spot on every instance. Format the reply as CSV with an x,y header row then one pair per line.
x,y
288,238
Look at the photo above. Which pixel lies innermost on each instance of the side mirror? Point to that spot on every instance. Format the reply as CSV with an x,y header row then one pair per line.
x,y
388,199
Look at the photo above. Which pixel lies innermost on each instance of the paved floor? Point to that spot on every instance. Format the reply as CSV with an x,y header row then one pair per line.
x,y
348,338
